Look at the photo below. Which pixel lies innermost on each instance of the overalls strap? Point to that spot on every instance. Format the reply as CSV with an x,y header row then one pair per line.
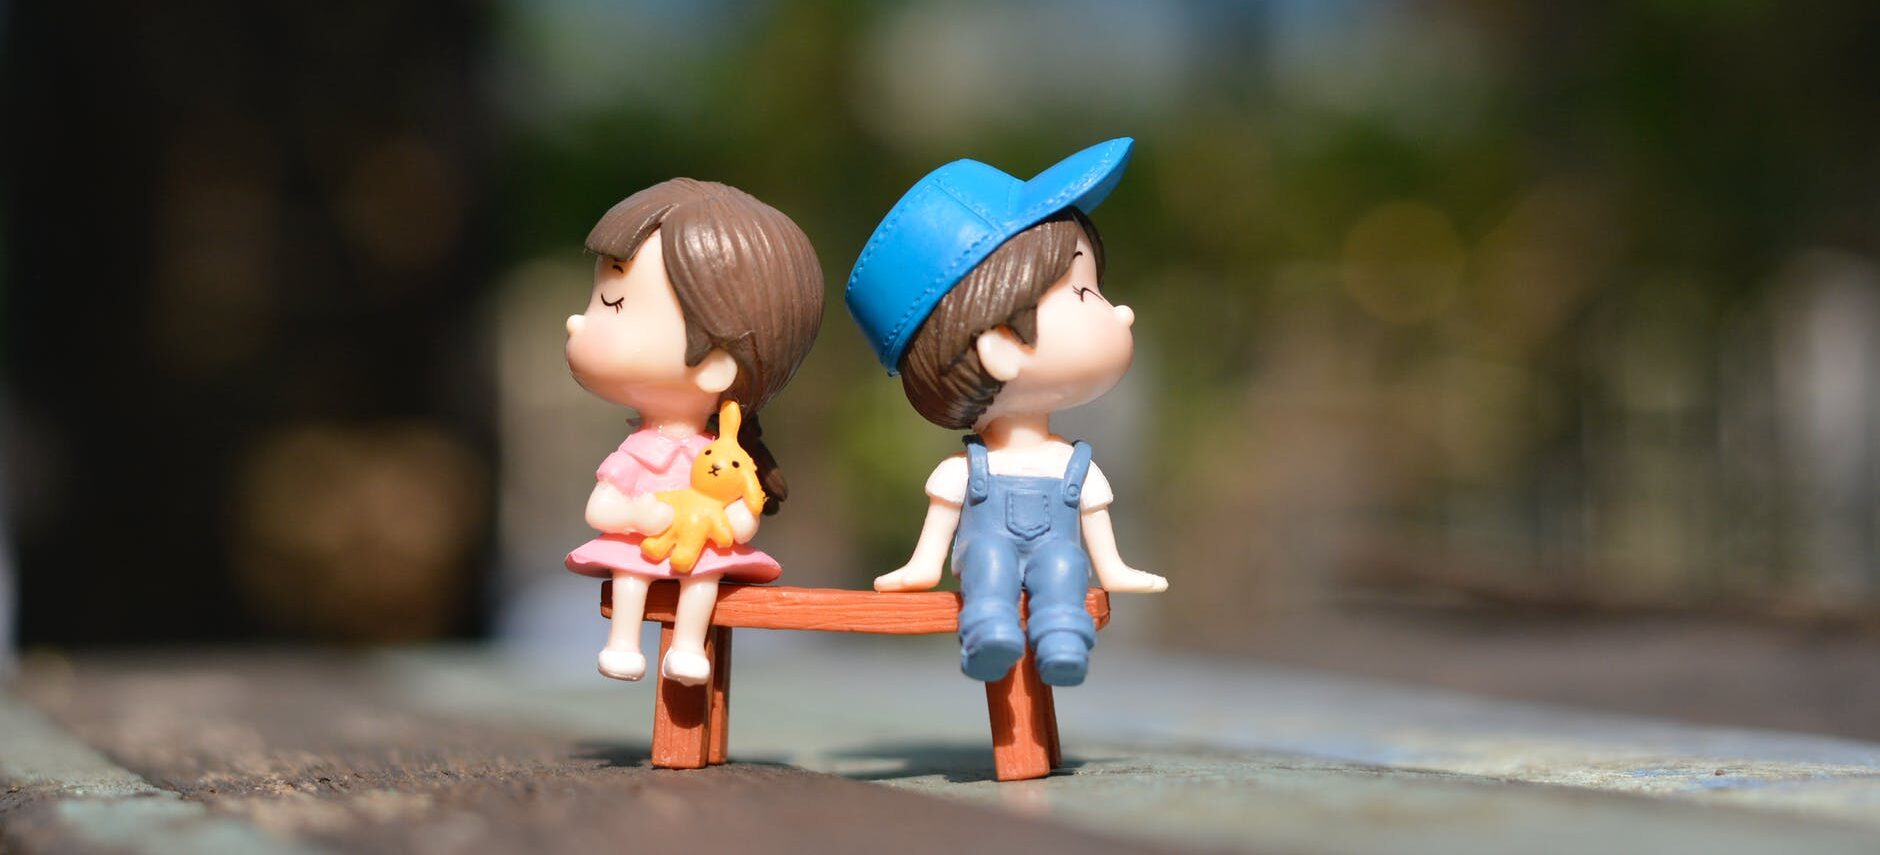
x,y
1074,473
978,472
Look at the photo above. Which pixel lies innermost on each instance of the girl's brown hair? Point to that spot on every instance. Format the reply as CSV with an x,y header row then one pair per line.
x,y
748,283
941,372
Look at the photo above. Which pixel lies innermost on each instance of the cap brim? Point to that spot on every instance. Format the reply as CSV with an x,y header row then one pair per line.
x,y
1082,180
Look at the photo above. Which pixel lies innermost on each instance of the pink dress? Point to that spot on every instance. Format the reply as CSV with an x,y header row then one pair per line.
x,y
648,462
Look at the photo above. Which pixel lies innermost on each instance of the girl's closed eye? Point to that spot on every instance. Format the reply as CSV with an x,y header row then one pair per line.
x,y
1083,290
614,304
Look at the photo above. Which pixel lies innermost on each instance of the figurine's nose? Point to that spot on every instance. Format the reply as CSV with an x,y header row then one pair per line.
x,y
1125,316
575,322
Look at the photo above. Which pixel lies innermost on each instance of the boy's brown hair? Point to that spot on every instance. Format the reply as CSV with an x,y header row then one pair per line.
x,y
941,372
748,283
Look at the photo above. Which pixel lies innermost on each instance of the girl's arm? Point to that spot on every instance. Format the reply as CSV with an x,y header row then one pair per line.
x,y
743,522
612,512
923,569
1112,573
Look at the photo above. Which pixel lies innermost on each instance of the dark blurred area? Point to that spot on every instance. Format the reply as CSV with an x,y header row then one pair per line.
x,y
245,246
1528,308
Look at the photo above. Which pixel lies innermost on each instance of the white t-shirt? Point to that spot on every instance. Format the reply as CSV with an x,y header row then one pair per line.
x,y
948,481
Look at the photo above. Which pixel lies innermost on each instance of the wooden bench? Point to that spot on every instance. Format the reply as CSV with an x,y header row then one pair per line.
x,y
690,723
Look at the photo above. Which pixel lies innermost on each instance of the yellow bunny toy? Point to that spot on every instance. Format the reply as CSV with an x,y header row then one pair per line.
x,y
721,474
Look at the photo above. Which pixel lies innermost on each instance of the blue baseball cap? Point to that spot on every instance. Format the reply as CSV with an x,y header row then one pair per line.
x,y
952,220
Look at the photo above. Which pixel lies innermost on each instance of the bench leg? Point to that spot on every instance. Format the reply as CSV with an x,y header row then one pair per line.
x,y
1024,724
718,644
1053,750
681,719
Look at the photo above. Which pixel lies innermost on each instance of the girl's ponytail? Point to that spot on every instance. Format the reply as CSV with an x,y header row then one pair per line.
x,y
751,436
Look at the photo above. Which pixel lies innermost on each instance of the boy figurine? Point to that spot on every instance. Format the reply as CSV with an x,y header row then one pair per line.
x,y
982,292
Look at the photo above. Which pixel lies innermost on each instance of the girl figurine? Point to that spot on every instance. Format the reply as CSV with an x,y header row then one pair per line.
x,y
983,293
702,295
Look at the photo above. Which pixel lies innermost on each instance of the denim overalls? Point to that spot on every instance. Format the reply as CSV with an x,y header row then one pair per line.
x,y
1026,532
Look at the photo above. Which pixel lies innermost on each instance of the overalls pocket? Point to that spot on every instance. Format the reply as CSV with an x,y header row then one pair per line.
x,y
1027,513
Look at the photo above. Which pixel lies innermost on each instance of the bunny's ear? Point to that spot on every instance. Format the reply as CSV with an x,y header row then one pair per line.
x,y
730,418
754,497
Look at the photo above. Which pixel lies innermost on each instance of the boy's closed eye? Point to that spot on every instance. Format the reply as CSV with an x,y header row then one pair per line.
x,y
1085,290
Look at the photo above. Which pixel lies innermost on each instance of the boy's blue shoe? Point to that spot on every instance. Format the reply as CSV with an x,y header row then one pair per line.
x,y
1063,658
991,651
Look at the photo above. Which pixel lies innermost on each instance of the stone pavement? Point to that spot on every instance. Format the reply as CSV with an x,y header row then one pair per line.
x,y
486,750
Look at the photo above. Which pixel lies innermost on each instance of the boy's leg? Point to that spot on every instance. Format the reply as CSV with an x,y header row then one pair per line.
x,y
990,638
1062,633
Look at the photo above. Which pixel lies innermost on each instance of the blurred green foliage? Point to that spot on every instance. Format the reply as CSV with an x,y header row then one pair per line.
x,y
1471,293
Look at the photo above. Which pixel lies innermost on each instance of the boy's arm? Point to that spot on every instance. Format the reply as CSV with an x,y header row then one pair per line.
x,y
1112,573
923,568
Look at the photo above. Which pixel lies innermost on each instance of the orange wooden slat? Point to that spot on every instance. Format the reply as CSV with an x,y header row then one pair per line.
x,y
830,609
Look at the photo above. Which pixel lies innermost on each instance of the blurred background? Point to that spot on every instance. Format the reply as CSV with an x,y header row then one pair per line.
x,y
1464,327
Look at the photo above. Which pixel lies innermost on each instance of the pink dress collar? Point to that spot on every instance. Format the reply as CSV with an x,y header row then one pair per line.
x,y
656,451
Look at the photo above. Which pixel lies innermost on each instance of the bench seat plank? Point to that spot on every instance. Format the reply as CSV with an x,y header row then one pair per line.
x,y
828,609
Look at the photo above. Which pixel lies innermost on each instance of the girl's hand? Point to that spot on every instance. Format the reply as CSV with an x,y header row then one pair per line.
x,y
743,522
612,513
914,576
1124,579
649,516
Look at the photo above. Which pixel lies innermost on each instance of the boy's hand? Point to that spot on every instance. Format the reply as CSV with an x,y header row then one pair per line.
x,y
912,577
923,569
1124,579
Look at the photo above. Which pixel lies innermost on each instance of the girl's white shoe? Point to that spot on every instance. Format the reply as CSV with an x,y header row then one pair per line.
x,y
686,667
622,664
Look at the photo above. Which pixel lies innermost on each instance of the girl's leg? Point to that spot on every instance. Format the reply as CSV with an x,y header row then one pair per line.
x,y
621,659
685,661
